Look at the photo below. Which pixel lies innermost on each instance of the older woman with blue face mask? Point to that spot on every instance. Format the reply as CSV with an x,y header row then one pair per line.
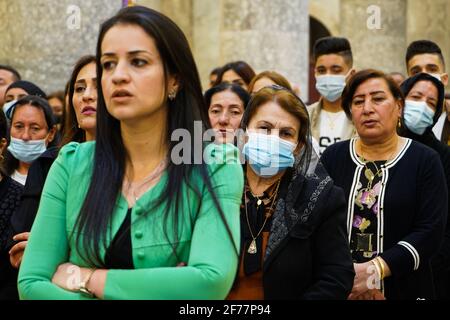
x,y
424,100
293,239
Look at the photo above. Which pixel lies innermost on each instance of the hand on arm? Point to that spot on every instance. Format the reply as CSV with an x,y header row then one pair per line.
x,y
16,252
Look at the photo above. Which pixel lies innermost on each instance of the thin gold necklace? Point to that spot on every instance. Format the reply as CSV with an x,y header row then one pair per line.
x,y
368,172
252,248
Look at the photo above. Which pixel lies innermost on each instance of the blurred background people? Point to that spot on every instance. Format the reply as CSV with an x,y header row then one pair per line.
x,y
226,104
8,75
238,72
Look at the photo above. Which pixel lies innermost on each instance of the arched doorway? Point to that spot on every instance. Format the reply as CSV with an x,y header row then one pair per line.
x,y
316,31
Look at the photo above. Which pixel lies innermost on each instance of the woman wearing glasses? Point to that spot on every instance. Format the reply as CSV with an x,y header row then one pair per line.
x,y
293,237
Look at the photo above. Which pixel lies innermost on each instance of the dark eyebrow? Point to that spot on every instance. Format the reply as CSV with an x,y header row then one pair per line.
x,y
84,80
130,53
289,128
372,93
264,122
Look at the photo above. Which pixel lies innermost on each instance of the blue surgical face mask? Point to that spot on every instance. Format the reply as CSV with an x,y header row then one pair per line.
x,y
436,75
330,86
6,108
418,116
26,151
268,154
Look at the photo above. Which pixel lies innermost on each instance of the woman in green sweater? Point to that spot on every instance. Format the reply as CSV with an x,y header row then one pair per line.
x,y
117,216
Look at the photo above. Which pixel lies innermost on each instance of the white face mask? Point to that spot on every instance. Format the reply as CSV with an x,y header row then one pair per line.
x,y
27,151
436,75
7,106
331,86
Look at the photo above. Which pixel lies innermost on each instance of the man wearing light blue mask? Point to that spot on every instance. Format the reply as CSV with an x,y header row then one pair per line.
x,y
333,66
426,56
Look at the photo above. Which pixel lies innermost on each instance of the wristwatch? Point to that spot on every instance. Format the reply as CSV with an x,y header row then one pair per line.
x,y
83,286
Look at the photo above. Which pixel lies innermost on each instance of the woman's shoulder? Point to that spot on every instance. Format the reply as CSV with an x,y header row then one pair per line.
x,y
419,150
75,148
76,154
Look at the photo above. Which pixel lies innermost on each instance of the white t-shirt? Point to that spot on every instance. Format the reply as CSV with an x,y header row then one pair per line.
x,y
439,126
332,125
20,178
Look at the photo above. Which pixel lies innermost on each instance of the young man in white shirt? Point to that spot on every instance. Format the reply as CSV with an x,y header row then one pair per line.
x,y
333,66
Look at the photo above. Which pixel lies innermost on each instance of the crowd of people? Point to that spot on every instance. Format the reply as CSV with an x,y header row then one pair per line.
x,y
346,198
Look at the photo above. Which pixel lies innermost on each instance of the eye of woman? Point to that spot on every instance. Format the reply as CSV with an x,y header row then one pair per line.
x,y
378,98
286,133
214,110
138,62
79,88
107,64
357,102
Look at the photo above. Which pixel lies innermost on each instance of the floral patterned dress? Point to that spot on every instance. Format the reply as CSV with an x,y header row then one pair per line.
x,y
364,234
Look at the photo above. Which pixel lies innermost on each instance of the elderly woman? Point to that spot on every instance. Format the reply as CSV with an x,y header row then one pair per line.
x,y
396,191
424,102
226,104
293,238
33,130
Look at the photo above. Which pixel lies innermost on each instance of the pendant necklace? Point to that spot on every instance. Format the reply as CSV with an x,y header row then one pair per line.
x,y
252,248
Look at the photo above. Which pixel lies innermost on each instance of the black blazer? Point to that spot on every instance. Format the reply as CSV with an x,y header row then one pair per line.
x,y
307,255
413,211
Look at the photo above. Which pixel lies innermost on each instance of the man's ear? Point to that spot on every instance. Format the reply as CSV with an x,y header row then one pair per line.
x,y
350,74
444,79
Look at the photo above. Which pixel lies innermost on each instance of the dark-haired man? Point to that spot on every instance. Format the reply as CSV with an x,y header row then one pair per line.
x,y
8,75
426,56
333,65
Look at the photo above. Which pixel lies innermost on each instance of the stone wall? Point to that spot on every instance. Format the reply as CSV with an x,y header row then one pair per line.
x,y
43,39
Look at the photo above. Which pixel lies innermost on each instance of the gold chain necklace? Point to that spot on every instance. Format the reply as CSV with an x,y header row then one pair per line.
x,y
259,202
332,119
252,248
368,172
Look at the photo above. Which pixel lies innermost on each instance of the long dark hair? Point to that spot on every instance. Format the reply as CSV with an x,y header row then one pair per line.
x,y
110,153
71,130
